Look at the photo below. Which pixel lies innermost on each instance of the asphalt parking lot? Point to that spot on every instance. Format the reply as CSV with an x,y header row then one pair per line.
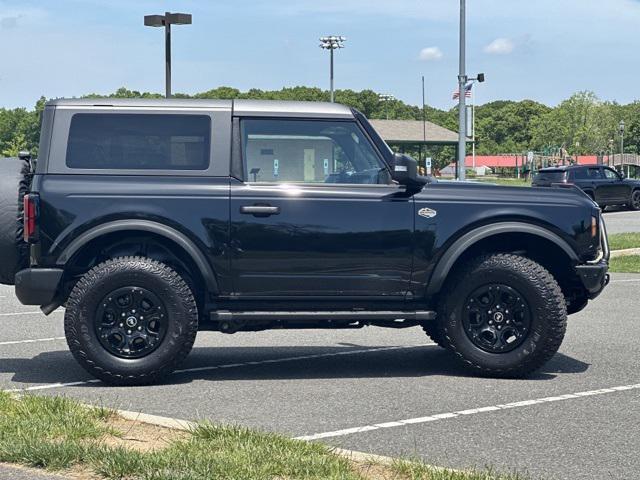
x,y
622,220
384,391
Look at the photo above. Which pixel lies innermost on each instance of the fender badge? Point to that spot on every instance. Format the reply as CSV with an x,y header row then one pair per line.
x,y
427,212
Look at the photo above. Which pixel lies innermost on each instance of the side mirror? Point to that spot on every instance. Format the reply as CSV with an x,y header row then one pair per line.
x,y
405,171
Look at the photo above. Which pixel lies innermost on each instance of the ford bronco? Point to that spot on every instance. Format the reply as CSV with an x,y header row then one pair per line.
x,y
150,219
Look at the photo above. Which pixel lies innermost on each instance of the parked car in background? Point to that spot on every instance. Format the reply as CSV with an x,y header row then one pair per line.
x,y
603,184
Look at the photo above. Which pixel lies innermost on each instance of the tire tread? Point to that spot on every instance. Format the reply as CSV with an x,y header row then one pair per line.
x,y
107,268
554,307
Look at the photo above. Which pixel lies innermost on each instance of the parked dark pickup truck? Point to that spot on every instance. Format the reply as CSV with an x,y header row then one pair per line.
x,y
151,219
603,184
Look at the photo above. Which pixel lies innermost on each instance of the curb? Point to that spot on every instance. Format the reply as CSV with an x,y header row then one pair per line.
x,y
625,252
185,425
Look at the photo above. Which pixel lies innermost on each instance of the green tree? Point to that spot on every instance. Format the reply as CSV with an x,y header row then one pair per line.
x,y
14,146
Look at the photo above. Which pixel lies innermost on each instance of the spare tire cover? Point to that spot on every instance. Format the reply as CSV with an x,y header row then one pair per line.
x,y
15,181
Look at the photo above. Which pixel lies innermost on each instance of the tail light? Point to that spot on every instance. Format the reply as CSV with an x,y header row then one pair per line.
x,y
30,225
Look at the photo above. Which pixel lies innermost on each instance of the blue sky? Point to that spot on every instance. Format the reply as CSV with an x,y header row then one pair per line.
x,y
539,49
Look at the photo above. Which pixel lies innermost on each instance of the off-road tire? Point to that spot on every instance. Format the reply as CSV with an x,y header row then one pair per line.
x,y
15,181
81,307
547,307
434,332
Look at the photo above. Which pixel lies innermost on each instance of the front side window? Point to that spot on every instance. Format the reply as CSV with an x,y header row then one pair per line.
x,y
310,151
610,174
139,141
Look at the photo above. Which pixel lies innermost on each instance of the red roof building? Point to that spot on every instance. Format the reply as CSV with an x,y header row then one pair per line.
x,y
509,161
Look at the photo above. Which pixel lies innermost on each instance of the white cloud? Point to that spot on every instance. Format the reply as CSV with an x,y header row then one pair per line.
x,y
500,46
430,53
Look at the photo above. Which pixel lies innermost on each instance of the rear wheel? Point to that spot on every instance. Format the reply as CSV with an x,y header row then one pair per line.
x,y
634,202
504,315
131,321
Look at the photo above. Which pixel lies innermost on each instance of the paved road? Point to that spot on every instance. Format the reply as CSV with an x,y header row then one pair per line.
x,y
8,472
313,382
622,221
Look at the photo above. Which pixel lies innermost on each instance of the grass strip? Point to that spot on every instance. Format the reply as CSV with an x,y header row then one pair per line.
x,y
620,241
509,182
58,433
625,264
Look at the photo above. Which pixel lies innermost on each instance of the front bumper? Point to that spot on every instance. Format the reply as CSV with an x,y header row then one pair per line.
x,y
594,277
37,286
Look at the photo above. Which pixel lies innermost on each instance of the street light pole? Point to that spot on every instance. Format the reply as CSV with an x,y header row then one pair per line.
x,y
167,58
462,81
386,98
331,42
331,74
166,21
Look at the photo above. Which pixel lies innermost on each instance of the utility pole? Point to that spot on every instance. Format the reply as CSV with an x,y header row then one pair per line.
x,y
462,82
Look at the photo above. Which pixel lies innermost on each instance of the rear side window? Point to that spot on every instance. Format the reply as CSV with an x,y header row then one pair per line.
x,y
579,174
552,176
139,141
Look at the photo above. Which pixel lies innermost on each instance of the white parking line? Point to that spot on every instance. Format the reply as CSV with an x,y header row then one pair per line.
x,y
34,312
35,340
471,411
48,386
626,280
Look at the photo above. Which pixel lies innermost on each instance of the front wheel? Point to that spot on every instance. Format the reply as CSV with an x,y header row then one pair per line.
x,y
131,321
634,202
504,315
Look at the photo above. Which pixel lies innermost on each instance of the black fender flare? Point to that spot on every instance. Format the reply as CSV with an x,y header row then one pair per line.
x,y
145,226
467,240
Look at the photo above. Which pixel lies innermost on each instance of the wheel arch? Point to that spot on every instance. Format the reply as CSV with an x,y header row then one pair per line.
x,y
503,236
186,248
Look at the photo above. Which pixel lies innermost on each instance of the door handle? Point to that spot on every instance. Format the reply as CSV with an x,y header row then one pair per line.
x,y
259,210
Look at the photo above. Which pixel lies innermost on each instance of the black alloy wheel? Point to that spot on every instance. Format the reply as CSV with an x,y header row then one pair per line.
x,y
497,318
131,322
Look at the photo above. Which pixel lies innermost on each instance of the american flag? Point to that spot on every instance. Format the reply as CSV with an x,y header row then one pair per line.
x,y
467,91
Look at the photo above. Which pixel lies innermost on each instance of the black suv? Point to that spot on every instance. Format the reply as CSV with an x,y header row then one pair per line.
x,y
151,219
603,184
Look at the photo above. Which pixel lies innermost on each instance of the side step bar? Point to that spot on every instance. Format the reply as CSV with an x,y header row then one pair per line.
x,y
228,316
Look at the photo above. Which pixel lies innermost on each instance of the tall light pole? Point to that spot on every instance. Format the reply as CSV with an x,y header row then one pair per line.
x,y
166,21
386,98
331,43
462,82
